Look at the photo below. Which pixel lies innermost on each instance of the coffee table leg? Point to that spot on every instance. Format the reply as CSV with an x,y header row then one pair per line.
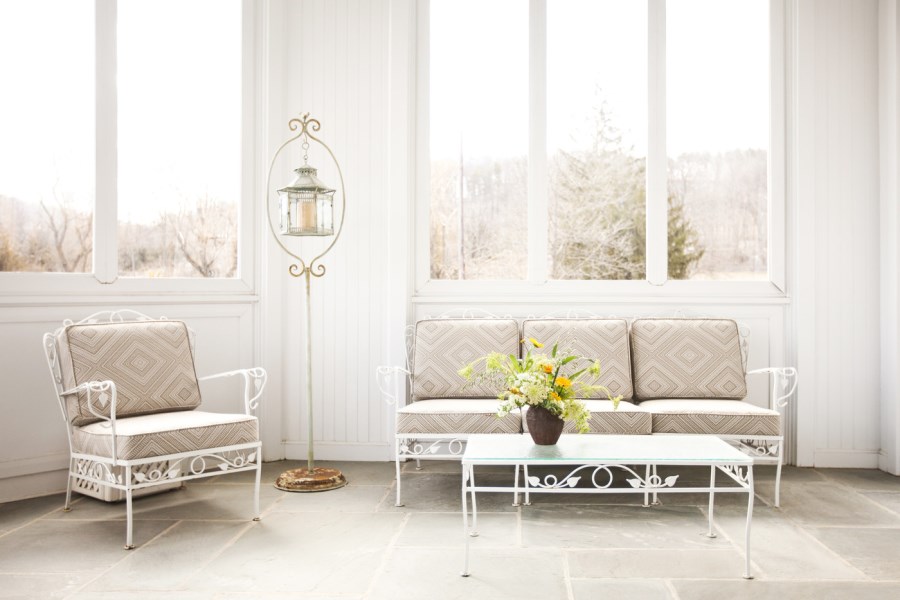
x,y
474,532
750,494
647,489
516,487
527,494
712,493
465,511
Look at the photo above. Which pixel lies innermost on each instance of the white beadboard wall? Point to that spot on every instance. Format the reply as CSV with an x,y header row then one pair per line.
x,y
889,126
337,69
837,238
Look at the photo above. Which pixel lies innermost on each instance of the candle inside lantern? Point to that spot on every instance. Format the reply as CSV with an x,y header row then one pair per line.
x,y
308,214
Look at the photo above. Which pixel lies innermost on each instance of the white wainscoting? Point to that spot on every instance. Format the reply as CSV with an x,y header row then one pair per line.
x,y
337,70
836,200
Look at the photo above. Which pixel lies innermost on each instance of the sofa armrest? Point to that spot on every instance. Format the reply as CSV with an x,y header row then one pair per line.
x,y
782,377
388,380
256,376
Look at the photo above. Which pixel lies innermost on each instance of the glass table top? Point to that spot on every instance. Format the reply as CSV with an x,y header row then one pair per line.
x,y
587,448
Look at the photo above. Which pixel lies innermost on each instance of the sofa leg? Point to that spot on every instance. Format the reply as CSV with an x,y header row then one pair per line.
x,y
129,511
778,475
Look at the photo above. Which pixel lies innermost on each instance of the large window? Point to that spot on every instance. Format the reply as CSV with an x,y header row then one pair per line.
x,y
123,156
597,140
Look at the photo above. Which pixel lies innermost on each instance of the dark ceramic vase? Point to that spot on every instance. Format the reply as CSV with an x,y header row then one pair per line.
x,y
544,427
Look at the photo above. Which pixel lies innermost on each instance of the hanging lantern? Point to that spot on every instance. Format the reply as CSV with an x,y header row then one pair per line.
x,y
306,205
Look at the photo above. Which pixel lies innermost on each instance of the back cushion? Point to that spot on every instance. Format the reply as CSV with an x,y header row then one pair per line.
x,y
150,362
687,358
444,346
602,339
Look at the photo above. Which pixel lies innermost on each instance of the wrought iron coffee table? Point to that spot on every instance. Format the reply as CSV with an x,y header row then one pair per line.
x,y
596,457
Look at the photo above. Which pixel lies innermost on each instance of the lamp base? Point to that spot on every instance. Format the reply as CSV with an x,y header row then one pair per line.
x,y
303,480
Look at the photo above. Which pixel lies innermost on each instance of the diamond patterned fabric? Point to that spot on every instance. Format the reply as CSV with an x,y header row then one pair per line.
x,y
444,346
462,416
166,433
150,362
716,417
603,339
687,358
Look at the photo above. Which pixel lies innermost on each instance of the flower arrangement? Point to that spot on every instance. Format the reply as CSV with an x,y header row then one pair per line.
x,y
538,380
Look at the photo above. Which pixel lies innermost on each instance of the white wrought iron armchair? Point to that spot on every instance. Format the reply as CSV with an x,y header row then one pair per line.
x,y
128,391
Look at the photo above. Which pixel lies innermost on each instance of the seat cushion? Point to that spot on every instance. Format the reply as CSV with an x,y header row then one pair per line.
x,y
687,358
717,417
628,419
444,346
456,415
603,339
166,433
150,362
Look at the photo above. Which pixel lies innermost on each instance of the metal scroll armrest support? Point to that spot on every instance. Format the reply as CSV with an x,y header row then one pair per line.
x,y
106,395
784,384
254,383
388,380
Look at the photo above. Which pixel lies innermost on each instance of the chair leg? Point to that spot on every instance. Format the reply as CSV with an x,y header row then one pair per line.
x,y
778,474
256,490
69,481
397,502
129,511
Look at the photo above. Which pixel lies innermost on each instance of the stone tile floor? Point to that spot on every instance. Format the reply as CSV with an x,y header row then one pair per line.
x,y
836,535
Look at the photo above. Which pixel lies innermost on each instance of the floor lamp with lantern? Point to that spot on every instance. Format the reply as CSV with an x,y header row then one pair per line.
x,y
306,208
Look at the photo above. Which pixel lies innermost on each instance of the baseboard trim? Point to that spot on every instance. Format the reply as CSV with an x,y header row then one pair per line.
x,y
369,452
847,459
33,465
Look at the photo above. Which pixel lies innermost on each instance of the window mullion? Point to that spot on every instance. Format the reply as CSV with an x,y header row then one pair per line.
x,y
105,204
537,142
657,180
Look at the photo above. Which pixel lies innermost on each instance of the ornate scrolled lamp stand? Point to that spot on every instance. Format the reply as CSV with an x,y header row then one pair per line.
x,y
306,208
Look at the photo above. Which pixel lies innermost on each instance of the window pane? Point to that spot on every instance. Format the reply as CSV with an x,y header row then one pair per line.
x,y
717,135
179,80
47,140
597,138
479,138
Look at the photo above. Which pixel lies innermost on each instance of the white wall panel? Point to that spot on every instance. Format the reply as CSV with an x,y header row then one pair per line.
x,y
338,73
837,279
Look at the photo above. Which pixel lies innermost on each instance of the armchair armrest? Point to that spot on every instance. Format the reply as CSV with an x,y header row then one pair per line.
x,y
106,394
782,377
256,376
388,380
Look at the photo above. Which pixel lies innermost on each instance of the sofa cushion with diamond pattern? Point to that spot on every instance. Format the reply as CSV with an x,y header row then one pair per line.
x,y
687,358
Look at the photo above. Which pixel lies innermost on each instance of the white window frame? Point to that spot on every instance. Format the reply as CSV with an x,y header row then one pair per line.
x,y
103,278
537,284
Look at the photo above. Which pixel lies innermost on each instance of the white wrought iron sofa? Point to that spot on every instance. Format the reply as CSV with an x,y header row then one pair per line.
x,y
682,376
128,391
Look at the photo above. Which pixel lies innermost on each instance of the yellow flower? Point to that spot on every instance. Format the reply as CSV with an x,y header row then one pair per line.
x,y
547,368
536,343
514,390
563,382
555,396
